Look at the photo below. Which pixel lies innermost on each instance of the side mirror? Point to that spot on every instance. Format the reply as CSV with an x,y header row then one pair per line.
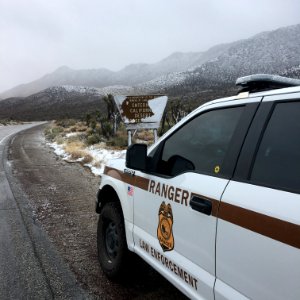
x,y
136,157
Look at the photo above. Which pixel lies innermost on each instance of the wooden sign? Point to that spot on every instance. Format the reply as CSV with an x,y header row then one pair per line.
x,y
143,111
136,108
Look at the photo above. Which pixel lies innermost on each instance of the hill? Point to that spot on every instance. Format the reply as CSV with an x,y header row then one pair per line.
x,y
192,77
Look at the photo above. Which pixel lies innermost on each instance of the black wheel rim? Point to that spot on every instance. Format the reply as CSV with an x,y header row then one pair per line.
x,y
111,240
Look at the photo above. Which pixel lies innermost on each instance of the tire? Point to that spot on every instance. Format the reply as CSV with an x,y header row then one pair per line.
x,y
113,254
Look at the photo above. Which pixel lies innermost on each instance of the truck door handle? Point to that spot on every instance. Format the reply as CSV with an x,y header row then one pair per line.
x,y
202,205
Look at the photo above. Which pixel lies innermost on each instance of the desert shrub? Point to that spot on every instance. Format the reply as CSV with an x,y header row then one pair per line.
x,y
98,129
74,146
119,141
76,151
97,164
59,140
145,135
107,129
77,138
93,124
77,154
80,127
72,129
87,159
89,131
94,138
66,122
47,130
4,122
52,133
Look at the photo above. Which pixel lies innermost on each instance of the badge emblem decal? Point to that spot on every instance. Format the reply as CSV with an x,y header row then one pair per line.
x,y
164,228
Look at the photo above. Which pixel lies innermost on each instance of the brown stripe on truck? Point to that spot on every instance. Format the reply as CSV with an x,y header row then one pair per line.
x,y
137,181
277,229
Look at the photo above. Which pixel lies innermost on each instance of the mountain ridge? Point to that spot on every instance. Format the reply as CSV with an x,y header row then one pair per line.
x,y
194,77
132,74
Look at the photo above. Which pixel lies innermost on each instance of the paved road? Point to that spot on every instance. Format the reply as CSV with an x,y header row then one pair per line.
x,y
30,267
48,228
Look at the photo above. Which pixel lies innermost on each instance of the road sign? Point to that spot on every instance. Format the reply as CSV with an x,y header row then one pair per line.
x,y
141,112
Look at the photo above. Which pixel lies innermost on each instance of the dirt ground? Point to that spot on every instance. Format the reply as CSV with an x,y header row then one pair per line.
x,y
62,196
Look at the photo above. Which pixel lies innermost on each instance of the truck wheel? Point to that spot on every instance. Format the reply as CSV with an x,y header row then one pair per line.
x,y
113,253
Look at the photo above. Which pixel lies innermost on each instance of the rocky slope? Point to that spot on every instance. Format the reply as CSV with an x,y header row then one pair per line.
x,y
275,52
52,103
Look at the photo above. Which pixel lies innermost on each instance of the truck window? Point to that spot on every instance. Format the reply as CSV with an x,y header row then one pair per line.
x,y
201,144
277,163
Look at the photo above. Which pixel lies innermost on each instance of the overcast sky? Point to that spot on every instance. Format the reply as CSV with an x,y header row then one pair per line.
x,y
38,36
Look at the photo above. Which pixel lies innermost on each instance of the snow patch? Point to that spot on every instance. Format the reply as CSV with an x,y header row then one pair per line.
x,y
101,156
70,134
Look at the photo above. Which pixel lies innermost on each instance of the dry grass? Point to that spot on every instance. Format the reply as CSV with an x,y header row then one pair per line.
x,y
59,140
53,132
89,131
97,164
145,135
100,145
78,127
74,146
77,154
81,128
79,137
76,151
87,159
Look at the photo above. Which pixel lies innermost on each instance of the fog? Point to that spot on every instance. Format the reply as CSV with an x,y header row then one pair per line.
x,y
38,36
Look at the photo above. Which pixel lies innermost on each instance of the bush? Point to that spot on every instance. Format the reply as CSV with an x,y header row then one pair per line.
x,y
145,135
53,133
107,129
89,131
80,127
4,122
76,154
77,138
87,159
59,140
119,141
93,139
65,122
75,149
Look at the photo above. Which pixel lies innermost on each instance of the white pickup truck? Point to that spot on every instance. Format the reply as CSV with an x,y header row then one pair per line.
x,y
214,204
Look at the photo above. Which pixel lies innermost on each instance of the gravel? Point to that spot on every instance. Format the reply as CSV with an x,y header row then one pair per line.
x,y
62,198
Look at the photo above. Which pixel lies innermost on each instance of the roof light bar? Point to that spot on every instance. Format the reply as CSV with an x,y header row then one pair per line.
x,y
262,82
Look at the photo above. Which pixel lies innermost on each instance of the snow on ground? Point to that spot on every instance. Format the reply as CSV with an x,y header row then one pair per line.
x,y
70,134
58,150
101,156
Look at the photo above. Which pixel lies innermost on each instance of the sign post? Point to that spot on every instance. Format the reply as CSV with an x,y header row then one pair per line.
x,y
129,137
141,112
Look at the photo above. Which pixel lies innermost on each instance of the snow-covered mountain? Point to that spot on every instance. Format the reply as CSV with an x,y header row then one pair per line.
x,y
196,77
130,75
62,76
52,103
58,102
275,52
268,52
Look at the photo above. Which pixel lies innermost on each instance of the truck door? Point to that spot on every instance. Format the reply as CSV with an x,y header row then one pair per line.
x,y
175,213
258,238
